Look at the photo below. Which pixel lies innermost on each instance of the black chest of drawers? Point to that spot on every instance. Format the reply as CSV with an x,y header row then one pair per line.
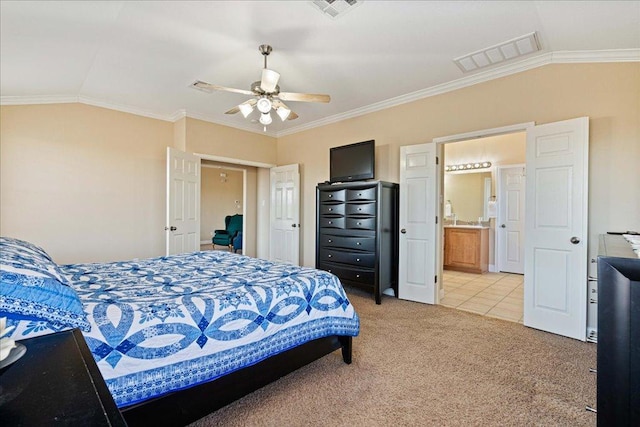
x,y
618,333
357,233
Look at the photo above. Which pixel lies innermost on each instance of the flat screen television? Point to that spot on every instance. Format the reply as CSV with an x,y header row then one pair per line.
x,y
353,162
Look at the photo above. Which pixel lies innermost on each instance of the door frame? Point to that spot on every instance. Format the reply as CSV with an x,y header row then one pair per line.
x,y
441,141
497,250
239,163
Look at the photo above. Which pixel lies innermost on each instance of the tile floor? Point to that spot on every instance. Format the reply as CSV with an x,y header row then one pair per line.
x,y
491,294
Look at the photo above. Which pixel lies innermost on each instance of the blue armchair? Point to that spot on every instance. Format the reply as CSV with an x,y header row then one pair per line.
x,y
233,226
237,242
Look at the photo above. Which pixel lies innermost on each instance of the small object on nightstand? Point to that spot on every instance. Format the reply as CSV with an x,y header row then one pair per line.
x,y
9,350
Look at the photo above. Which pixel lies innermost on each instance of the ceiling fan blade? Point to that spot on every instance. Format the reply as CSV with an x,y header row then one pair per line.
x,y
240,108
269,80
278,105
304,97
208,87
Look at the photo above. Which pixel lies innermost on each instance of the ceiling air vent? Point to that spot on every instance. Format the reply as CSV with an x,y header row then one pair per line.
x,y
335,8
505,51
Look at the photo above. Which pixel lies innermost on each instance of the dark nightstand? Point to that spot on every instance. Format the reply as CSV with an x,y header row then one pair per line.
x,y
56,382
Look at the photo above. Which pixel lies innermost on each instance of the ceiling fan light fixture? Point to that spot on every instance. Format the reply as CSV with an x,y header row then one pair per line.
x,y
283,113
245,109
265,119
264,105
269,80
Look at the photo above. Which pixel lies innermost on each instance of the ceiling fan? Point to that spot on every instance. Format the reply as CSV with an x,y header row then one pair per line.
x,y
267,95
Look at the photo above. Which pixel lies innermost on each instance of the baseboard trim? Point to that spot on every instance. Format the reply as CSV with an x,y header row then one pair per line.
x,y
492,268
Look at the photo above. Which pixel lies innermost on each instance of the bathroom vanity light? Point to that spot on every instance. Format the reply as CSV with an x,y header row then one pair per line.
x,y
467,166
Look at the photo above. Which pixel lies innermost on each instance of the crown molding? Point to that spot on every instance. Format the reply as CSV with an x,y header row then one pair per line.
x,y
560,57
613,55
37,99
123,108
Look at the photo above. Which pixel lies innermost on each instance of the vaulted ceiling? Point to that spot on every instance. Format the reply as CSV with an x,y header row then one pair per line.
x,y
142,56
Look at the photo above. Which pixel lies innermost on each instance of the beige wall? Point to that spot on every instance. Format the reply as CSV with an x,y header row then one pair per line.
x,y
88,183
85,183
608,93
217,140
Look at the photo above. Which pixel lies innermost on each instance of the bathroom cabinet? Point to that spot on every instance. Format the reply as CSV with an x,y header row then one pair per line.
x,y
466,248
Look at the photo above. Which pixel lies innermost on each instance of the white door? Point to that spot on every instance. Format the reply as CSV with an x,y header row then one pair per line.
x,y
285,214
183,202
555,279
510,221
418,210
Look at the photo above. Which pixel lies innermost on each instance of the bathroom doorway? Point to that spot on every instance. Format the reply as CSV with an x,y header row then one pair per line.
x,y
472,236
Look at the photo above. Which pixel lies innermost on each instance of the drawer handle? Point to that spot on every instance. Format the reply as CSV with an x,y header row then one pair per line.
x,y
359,223
359,194
330,222
330,209
330,195
358,243
359,209
357,259
330,241
358,276
329,256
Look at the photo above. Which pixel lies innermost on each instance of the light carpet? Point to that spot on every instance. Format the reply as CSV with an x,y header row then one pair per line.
x,y
422,365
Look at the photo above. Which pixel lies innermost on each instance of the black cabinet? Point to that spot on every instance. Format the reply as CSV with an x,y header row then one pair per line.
x,y
56,382
618,333
357,233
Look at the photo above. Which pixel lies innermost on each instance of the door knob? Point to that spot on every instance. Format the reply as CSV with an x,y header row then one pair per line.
x,y
503,226
293,225
172,228
403,231
574,240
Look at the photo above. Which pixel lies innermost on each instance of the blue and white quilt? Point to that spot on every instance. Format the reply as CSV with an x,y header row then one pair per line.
x,y
168,323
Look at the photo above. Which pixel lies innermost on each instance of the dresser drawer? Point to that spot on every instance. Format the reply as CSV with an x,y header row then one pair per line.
x,y
326,222
361,223
355,259
352,274
332,209
358,243
333,196
361,209
365,194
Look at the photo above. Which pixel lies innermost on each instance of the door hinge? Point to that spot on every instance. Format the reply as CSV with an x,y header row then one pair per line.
x,y
437,160
436,219
436,279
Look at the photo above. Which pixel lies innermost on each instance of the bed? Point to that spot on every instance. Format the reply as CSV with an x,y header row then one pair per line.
x,y
177,337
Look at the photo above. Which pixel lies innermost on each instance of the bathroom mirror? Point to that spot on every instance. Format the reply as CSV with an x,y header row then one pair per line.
x,y
469,194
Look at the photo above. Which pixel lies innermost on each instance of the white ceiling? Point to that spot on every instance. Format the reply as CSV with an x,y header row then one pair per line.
x,y
141,56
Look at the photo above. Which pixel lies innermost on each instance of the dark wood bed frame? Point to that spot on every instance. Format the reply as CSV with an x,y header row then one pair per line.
x,y
185,406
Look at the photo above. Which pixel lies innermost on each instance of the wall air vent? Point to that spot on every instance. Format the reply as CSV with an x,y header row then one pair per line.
x,y
335,8
505,51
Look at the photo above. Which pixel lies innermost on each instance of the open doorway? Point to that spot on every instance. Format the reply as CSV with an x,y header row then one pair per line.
x,y
483,224
222,195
